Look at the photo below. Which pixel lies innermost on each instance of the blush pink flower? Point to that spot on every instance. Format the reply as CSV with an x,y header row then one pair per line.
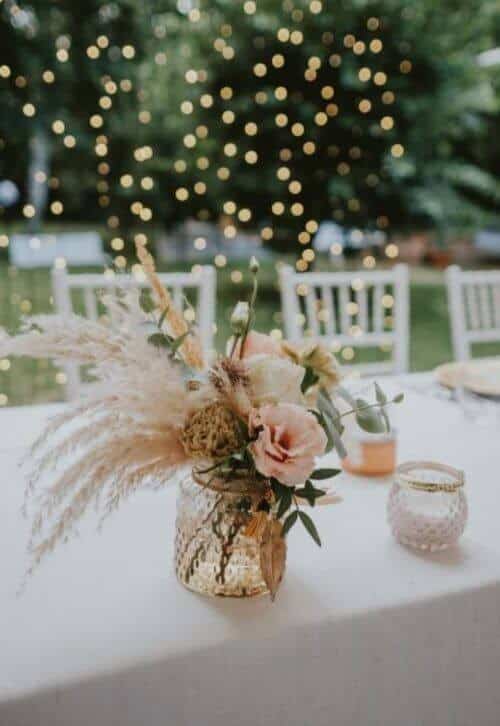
x,y
257,344
289,437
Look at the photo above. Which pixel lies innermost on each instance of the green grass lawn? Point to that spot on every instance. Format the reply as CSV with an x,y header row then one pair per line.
x,y
28,381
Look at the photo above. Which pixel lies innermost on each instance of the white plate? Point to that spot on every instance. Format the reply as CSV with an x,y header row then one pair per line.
x,y
483,379
450,374
481,376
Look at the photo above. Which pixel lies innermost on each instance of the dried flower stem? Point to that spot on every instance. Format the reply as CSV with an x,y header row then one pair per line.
x,y
191,347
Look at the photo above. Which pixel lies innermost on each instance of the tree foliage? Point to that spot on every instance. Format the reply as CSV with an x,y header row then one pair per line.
x,y
263,115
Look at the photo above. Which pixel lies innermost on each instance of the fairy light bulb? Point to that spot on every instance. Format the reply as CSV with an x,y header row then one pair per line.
x,y
387,123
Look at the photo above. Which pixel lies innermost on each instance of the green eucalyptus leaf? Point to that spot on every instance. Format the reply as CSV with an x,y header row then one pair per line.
x,y
398,398
330,411
338,443
369,419
385,418
289,522
346,396
310,526
321,419
380,395
326,404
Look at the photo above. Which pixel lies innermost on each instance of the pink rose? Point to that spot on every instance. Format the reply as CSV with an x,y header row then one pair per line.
x,y
289,437
258,343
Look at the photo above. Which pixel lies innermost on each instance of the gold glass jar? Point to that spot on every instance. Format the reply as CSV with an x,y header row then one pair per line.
x,y
213,555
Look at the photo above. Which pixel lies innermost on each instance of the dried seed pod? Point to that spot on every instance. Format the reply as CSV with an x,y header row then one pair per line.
x,y
273,556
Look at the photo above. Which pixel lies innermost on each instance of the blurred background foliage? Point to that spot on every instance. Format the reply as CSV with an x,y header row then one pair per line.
x,y
379,110
258,119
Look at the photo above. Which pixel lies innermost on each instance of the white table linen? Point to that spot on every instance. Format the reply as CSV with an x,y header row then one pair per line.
x,y
363,631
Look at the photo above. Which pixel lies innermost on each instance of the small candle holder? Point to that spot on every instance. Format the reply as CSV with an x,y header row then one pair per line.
x,y
370,454
427,506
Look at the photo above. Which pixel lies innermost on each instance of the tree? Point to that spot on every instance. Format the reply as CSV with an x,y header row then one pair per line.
x,y
70,82
361,112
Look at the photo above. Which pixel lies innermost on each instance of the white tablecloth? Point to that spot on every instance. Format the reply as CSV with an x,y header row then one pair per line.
x,y
363,631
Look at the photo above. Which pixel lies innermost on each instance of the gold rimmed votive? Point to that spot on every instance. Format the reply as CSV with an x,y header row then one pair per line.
x,y
427,506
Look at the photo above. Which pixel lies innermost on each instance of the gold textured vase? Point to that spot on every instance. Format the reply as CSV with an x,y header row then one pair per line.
x,y
213,556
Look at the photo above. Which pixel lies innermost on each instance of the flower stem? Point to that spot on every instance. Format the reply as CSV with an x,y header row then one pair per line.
x,y
233,346
251,305
361,408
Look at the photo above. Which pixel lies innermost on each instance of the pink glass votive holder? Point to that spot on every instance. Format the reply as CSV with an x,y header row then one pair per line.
x,y
427,506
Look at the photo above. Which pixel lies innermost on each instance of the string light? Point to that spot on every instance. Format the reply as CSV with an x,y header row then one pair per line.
x,y
58,127
205,167
376,45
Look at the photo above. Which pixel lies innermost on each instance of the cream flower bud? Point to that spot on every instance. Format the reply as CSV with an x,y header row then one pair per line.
x,y
254,265
240,318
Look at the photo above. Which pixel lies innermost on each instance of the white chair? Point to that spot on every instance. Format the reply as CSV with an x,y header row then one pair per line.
x,y
474,305
359,309
202,282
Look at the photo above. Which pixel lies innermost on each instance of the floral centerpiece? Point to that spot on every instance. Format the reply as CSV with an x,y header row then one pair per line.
x,y
242,432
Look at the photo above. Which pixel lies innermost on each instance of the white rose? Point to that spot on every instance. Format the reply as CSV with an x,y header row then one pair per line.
x,y
274,380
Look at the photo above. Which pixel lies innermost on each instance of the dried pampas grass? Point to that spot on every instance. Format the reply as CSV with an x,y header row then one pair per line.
x,y
124,435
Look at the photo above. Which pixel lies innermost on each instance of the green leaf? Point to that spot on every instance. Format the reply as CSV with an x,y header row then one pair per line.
x,y
326,405
321,419
280,489
310,379
346,396
177,342
369,419
289,522
398,398
146,303
285,504
337,441
325,473
310,493
380,395
162,318
159,340
385,418
310,526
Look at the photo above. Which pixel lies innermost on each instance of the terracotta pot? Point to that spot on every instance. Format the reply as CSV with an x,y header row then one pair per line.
x,y
439,258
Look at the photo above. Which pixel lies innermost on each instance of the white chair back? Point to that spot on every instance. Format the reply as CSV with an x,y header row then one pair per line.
x,y
359,309
474,306
203,283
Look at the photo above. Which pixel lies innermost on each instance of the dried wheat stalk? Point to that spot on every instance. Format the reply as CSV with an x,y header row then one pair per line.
x,y
191,348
